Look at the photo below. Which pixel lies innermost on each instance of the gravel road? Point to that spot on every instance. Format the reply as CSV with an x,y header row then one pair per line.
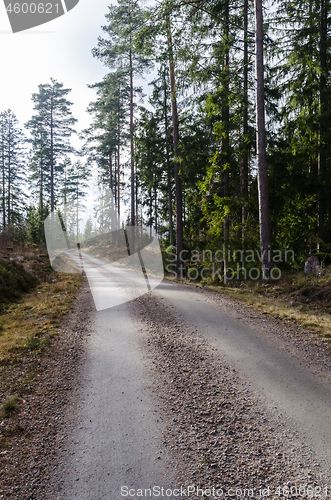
x,y
257,356
115,438
184,389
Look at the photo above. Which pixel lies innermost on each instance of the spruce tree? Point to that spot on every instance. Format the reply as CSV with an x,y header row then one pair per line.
x,y
117,51
107,133
51,129
305,77
12,157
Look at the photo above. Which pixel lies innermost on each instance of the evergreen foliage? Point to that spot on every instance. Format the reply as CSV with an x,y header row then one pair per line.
x,y
191,155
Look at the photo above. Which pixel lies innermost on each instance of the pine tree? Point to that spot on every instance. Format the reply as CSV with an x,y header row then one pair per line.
x,y
218,58
306,117
107,135
175,128
51,129
73,192
150,165
264,217
12,155
117,51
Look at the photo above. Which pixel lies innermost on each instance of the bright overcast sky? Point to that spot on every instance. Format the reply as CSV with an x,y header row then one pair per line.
x,y
60,49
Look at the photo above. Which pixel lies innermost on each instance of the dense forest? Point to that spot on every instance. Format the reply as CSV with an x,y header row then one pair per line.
x,y
229,151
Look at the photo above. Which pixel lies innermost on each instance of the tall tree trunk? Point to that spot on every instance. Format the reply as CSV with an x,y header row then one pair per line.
x,y
41,193
225,120
137,200
132,145
155,201
41,200
244,183
171,232
65,207
118,166
322,119
111,184
115,178
52,158
52,174
9,173
111,181
178,183
310,78
77,216
264,218
65,197
3,177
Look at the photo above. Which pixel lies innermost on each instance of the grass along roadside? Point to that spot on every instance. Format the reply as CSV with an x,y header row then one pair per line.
x,y
304,299
34,320
40,346
29,321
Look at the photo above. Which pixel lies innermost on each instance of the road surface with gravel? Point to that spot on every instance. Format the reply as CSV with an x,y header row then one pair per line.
x,y
190,393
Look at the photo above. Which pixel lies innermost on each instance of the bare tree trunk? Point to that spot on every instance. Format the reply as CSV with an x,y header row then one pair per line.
x,y
52,158
77,216
65,197
264,218
52,173
41,193
111,182
322,119
137,200
115,178
171,232
9,173
225,120
132,145
178,183
3,178
155,201
41,188
118,167
311,76
244,184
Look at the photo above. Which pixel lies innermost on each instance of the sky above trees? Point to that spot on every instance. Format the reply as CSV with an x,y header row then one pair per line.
x,y
60,49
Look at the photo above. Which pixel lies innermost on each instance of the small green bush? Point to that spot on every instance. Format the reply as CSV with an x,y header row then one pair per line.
x,y
34,343
10,406
14,281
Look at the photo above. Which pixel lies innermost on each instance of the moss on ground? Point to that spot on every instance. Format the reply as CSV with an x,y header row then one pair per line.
x,y
14,281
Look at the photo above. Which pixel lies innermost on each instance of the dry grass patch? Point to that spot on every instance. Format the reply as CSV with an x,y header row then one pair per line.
x,y
10,406
60,287
33,321
281,309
